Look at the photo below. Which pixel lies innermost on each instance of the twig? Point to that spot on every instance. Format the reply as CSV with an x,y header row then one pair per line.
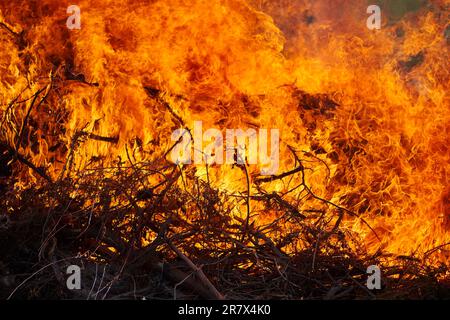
x,y
215,293
22,159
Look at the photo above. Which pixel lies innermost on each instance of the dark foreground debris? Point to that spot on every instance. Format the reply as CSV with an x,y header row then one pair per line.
x,y
192,247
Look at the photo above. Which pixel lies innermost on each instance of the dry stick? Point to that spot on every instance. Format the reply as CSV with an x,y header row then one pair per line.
x,y
38,271
73,144
155,94
93,136
279,176
15,150
431,251
195,199
136,171
270,242
302,170
7,28
247,218
320,160
373,296
23,160
327,235
11,105
179,284
216,294
316,248
343,209
129,251
27,115
140,213
69,157
286,205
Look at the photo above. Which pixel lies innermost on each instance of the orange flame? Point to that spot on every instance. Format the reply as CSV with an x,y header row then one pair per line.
x,y
379,149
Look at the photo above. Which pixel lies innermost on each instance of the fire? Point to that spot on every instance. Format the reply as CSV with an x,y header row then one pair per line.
x,y
365,111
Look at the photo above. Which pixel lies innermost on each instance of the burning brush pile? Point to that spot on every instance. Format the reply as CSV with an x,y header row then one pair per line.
x,y
239,149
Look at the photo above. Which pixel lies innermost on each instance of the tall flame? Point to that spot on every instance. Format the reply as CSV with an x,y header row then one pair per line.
x,y
368,109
